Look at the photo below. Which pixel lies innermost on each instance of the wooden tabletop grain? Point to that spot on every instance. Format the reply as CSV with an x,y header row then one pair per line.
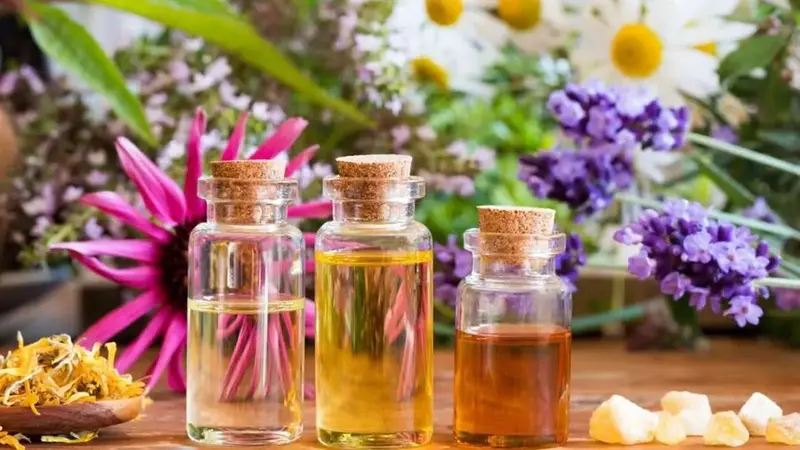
x,y
728,373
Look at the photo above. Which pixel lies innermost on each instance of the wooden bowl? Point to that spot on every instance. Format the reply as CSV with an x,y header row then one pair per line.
x,y
69,418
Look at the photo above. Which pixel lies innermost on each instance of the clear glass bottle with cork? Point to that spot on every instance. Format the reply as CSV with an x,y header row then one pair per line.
x,y
245,349
374,341
513,340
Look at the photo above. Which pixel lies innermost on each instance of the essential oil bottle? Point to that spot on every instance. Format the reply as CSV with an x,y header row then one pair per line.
x,y
246,310
513,341
374,341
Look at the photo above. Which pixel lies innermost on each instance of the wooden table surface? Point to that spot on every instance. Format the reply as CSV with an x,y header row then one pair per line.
x,y
728,373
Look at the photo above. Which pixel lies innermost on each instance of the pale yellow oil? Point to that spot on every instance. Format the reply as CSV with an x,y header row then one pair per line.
x,y
374,349
244,371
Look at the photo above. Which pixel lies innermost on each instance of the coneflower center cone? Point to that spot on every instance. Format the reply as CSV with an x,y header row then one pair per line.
x,y
174,265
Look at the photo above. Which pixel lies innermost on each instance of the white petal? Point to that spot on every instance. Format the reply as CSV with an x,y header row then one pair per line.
x,y
697,72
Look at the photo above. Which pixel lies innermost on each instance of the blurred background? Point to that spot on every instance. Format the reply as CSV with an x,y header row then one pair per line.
x,y
461,85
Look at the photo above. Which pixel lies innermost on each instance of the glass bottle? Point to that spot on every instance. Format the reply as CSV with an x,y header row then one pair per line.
x,y
513,340
245,349
374,341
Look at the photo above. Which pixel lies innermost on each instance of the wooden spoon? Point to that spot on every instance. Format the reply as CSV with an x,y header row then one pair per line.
x,y
68,418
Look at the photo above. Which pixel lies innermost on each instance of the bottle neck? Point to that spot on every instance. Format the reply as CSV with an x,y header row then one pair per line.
x,y
518,267
373,211
246,213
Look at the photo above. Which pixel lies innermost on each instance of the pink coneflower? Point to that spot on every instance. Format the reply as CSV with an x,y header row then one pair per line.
x,y
161,253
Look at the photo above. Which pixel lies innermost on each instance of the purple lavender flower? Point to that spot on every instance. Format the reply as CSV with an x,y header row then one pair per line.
x,y
699,258
744,310
724,133
586,180
568,262
787,299
454,263
760,210
593,114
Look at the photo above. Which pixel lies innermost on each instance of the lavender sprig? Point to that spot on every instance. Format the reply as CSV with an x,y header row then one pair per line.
x,y
586,180
692,255
454,263
593,114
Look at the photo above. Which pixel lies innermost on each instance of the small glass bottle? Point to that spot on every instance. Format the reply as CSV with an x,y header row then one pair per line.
x,y
513,339
245,349
374,341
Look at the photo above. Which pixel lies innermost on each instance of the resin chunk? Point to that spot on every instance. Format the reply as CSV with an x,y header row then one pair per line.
x,y
670,429
693,410
784,429
726,428
757,411
620,421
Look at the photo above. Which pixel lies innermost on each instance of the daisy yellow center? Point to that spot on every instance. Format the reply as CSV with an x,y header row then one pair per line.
x,y
520,14
428,70
636,50
708,47
444,12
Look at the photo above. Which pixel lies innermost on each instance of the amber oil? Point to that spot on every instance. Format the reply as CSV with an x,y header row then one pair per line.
x,y
512,385
244,363
374,348
513,339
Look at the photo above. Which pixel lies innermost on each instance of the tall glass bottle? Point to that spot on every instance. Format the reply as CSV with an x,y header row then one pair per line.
x,y
374,341
246,305
513,340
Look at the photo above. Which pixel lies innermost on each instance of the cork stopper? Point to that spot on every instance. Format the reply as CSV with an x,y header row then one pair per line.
x,y
374,188
510,234
249,170
247,192
516,220
374,166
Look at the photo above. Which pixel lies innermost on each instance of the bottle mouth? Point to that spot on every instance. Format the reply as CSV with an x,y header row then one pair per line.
x,y
233,190
383,190
507,245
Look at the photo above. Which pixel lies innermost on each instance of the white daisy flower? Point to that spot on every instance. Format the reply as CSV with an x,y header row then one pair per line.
x,y
536,26
667,46
450,43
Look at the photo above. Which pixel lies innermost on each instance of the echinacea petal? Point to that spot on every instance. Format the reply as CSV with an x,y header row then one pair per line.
x,y
160,193
300,160
115,206
283,138
119,319
154,329
136,249
141,277
236,139
194,165
176,378
173,338
319,209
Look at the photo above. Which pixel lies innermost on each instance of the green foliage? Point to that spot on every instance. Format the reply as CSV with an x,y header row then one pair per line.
x,y
514,119
73,47
753,53
241,39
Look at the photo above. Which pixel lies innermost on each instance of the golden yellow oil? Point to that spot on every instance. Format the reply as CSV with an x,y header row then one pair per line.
x,y
245,371
374,348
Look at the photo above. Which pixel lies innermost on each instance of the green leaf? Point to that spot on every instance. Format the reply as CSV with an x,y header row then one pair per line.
x,y
203,6
754,225
753,53
70,45
238,37
760,158
785,139
734,190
